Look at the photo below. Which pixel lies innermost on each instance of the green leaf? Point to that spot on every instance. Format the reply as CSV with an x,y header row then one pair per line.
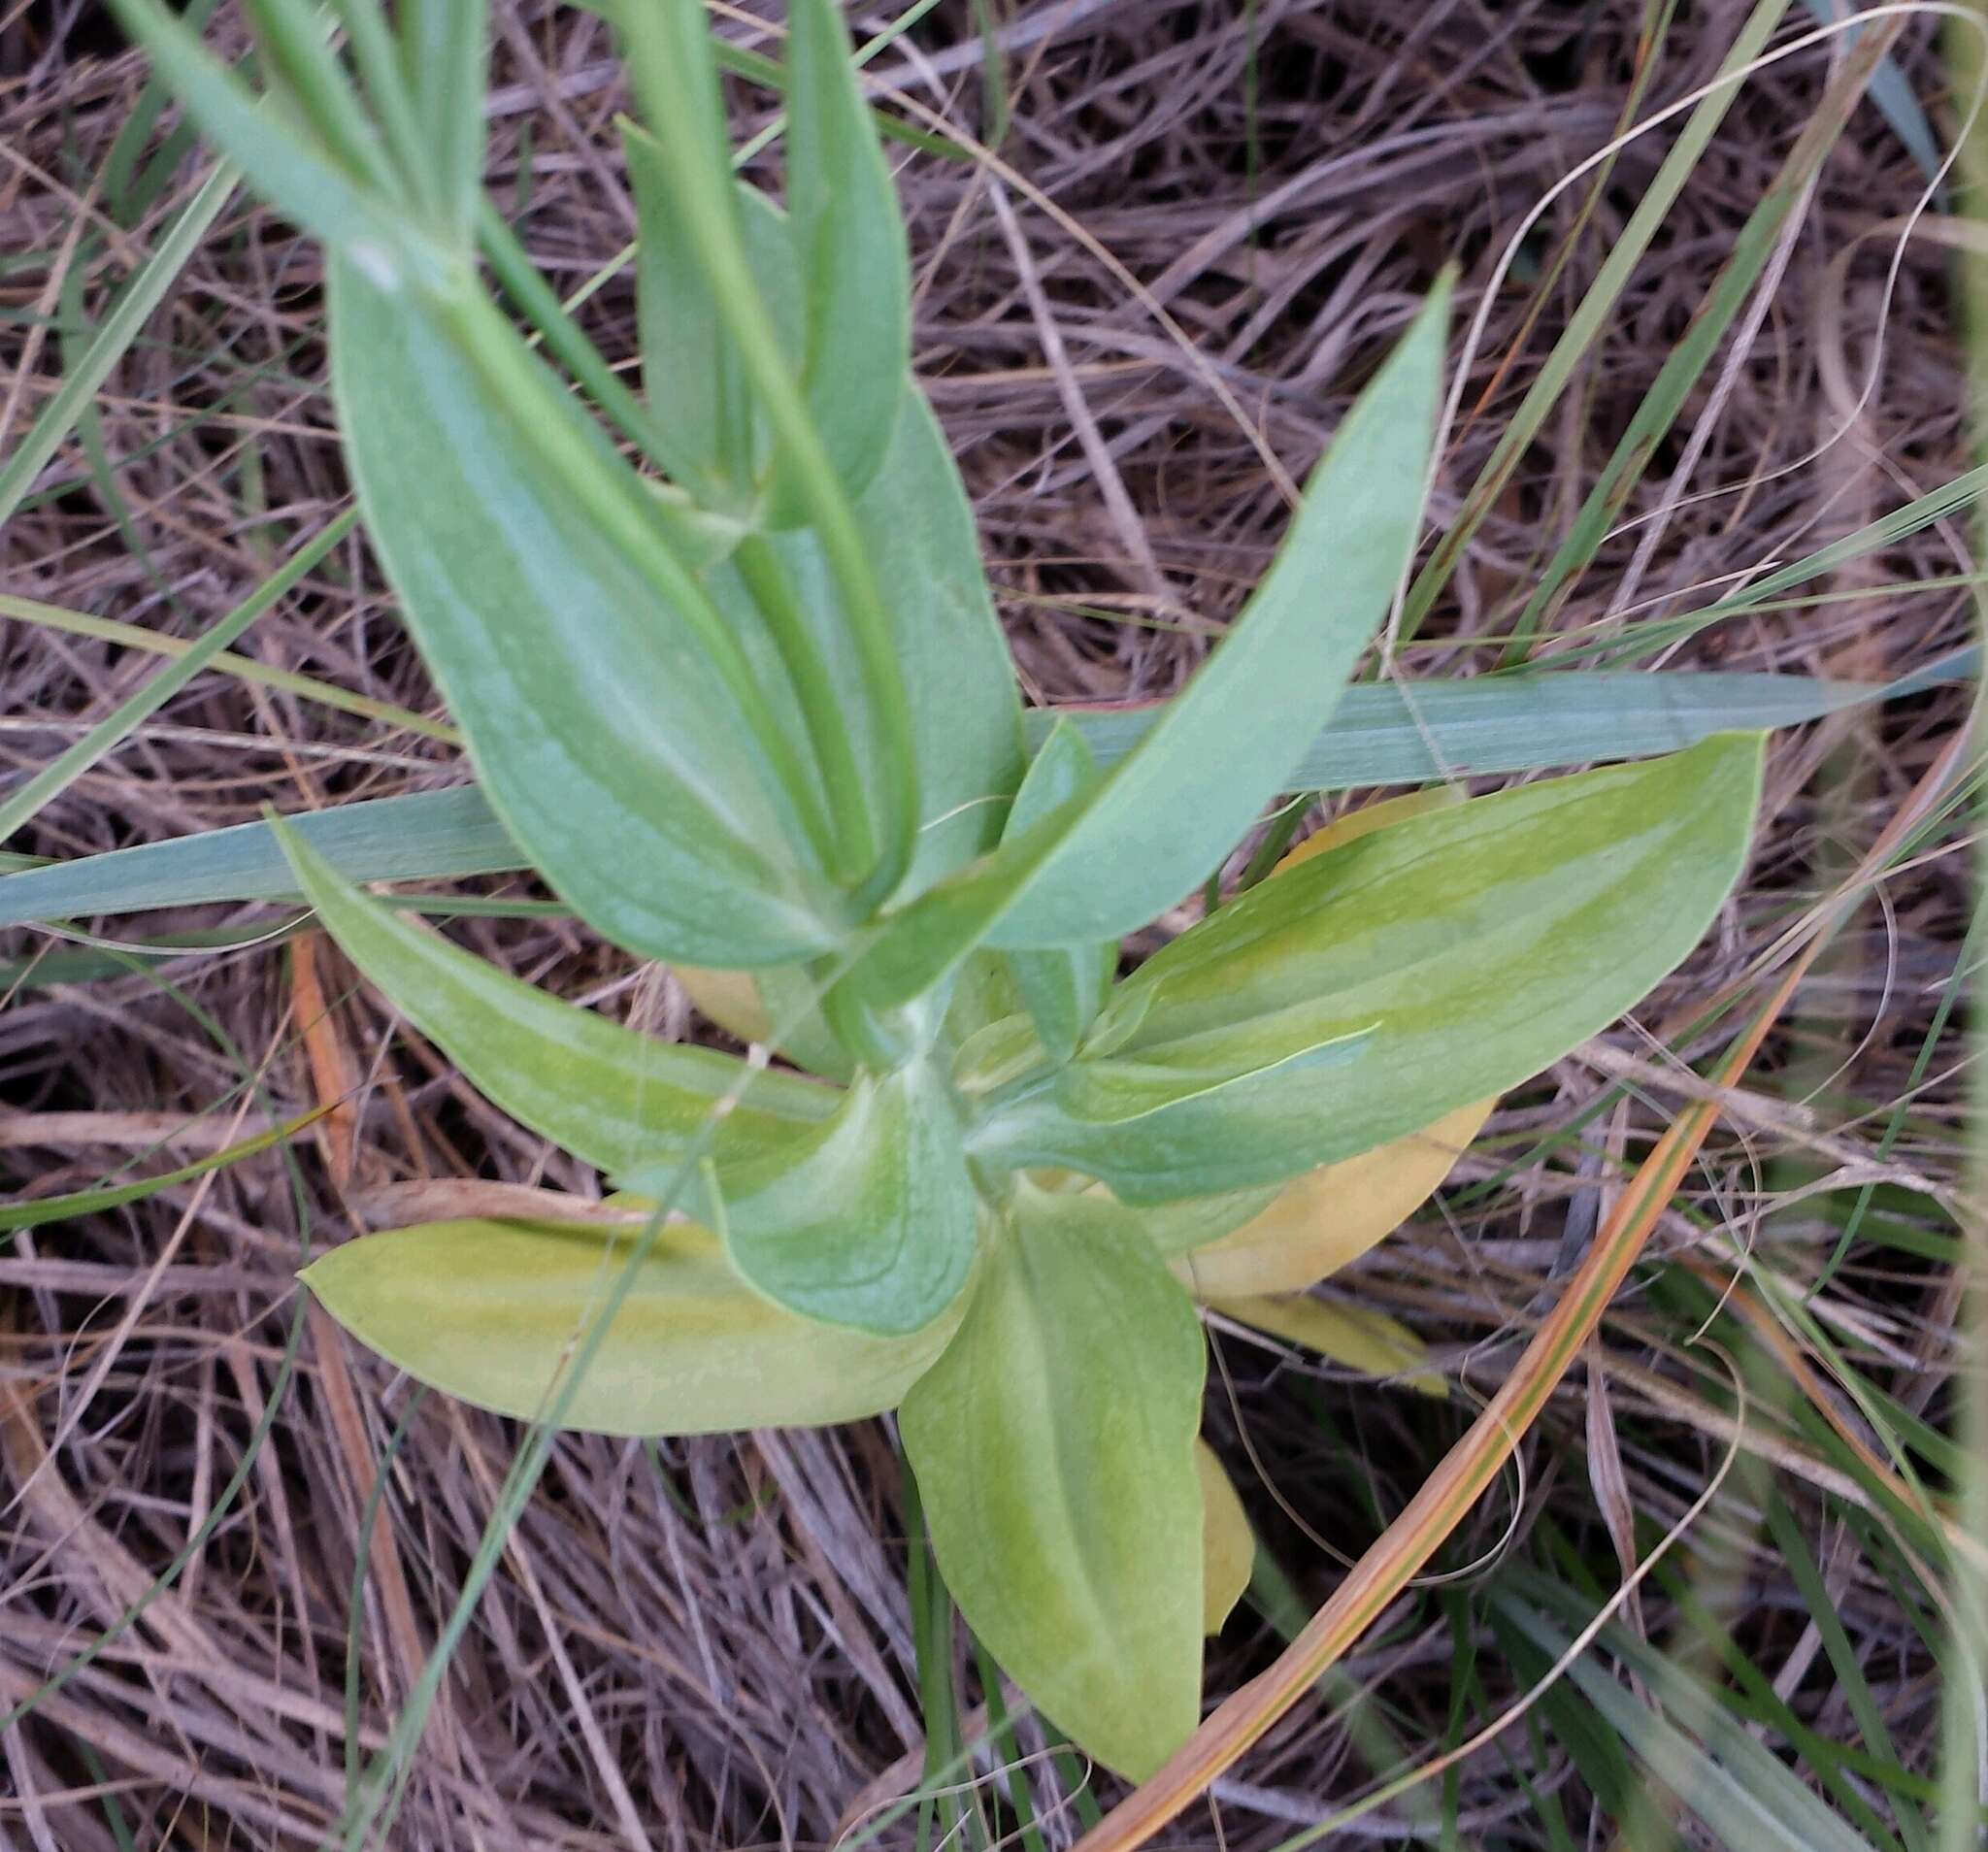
x,y
690,368
1055,1447
919,944
1220,750
296,173
870,1224
489,1311
1737,1787
1479,942
615,1099
1231,1070
849,250
916,527
605,730
1063,989
445,53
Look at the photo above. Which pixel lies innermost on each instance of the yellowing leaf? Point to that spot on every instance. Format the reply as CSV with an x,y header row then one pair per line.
x,y
1330,1216
1228,1546
1355,1335
1350,825
728,998
490,1311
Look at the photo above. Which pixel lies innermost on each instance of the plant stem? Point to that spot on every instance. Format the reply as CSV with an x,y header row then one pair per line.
x,y
855,836
703,195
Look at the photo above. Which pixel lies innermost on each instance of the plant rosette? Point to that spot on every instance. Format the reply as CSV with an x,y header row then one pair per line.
x,y
730,675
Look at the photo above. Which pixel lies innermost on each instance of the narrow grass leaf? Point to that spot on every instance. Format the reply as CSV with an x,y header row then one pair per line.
x,y
142,294
59,1209
1379,735
1589,321
1892,95
1753,251
1740,1791
132,711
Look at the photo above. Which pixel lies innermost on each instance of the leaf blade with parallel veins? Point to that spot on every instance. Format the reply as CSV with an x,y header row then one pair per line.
x,y
611,1097
871,1223
488,1312
1055,1447
1486,940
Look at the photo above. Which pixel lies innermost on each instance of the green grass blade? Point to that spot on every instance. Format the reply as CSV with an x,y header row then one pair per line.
x,y
324,694
141,296
1752,251
1590,318
1381,734
1891,92
59,1209
115,726
1696,1747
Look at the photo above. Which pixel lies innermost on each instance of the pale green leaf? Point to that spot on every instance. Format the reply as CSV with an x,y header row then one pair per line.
x,y
490,1312
917,945
1222,749
1055,1447
871,1224
613,1097
916,528
848,243
606,730
690,368
444,50
1479,944
1227,1072
1063,988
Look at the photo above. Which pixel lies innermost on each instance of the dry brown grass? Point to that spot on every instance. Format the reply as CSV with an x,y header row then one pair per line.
x,y
709,1646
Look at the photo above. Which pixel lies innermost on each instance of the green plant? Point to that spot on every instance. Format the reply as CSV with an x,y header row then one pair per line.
x,y
735,686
